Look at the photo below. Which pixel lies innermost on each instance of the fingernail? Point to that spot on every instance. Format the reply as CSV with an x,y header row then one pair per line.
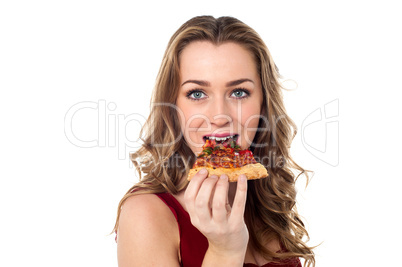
x,y
224,177
203,171
243,178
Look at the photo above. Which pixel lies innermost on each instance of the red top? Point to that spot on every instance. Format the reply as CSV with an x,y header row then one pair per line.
x,y
194,245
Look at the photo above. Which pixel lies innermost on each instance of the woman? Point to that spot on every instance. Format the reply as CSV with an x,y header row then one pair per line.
x,y
217,79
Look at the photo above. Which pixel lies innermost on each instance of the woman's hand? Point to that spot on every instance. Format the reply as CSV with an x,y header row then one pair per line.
x,y
207,203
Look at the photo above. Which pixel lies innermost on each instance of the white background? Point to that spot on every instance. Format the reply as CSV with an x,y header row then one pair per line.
x,y
58,200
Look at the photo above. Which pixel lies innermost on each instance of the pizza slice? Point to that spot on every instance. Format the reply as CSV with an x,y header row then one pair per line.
x,y
227,158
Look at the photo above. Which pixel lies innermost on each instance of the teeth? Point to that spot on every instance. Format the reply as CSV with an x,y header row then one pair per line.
x,y
219,138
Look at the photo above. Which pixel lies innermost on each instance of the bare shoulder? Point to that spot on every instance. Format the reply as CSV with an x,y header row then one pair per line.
x,y
146,205
148,233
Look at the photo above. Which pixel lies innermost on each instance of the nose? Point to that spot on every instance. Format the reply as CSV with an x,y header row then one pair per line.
x,y
220,113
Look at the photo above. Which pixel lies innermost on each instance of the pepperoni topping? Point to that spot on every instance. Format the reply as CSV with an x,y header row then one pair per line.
x,y
227,155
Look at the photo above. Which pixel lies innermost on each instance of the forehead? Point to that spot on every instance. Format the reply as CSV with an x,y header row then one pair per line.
x,y
203,59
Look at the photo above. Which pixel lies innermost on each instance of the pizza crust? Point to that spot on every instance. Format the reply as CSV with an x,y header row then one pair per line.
x,y
252,171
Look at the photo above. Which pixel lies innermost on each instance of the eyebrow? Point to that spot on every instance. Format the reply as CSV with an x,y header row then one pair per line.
x,y
228,84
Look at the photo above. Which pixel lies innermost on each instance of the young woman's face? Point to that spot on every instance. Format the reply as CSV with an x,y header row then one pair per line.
x,y
220,94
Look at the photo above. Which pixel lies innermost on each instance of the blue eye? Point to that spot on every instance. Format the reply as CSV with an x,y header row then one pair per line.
x,y
240,93
195,95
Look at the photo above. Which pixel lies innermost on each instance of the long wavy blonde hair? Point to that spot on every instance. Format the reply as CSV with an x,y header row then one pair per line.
x,y
165,158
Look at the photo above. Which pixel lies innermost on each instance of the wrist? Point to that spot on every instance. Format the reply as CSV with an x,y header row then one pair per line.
x,y
216,256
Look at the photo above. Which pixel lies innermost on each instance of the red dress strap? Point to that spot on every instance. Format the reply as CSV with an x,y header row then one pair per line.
x,y
193,244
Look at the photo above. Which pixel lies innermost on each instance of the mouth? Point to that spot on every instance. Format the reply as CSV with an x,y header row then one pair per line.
x,y
222,139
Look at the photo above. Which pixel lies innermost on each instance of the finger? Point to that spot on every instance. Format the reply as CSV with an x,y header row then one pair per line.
x,y
193,188
220,199
203,199
239,202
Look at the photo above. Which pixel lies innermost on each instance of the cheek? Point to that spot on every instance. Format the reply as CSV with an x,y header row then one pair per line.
x,y
250,117
190,117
